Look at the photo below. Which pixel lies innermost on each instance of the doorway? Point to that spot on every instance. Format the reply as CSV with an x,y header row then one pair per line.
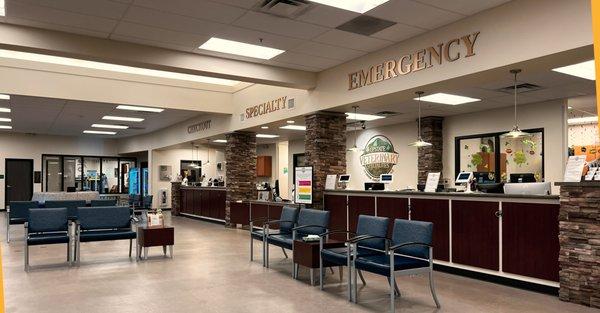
x,y
19,180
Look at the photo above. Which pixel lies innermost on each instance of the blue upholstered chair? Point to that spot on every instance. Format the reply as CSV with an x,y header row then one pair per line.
x,y
45,227
410,252
287,221
102,224
103,202
17,214
367,226
71,206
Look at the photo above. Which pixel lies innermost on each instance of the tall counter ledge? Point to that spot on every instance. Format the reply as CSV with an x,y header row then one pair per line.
x,y
579,237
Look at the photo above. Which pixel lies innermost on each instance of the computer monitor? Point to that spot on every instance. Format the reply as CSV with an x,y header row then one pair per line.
x,y
463,177
522,178
483,177
344,178
374,186
386,178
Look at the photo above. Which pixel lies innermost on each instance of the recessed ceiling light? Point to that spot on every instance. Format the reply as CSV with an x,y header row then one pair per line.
x,y
582,120
35,57
2,8
220,141
362,117
139,109
266,136
240,48
585,70
99,132
359,6
570,107
122,118
4,97
291,122
5,127
110,126
5,119
445,98
293,127
264,127
4,110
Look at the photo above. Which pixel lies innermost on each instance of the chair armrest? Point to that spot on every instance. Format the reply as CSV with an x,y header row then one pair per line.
x,y
134,219
306,226
258,219
277,222
367,237
398,246
339,231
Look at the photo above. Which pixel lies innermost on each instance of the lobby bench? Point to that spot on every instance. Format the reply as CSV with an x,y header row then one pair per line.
x,y
103,224
71,206
17,214
103,202
409,252
46,226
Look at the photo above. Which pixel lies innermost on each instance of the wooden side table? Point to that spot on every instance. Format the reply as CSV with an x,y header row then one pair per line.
x,y
154,236
307,255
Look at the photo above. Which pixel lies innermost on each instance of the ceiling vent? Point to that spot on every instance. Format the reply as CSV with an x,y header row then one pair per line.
x,y
521,88
365,25
283,8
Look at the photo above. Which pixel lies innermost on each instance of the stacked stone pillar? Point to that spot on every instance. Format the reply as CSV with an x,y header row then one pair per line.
x,y
175,197
240,168
430,158
325,149
579,238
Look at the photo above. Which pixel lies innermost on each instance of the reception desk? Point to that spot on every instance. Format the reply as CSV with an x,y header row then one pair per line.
x,y
505,238
204,202
242,212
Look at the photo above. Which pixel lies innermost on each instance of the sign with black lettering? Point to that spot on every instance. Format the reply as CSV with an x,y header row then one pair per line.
x,y
205,125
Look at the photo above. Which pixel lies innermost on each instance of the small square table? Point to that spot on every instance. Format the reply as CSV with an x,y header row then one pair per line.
x,y
306,253
154,236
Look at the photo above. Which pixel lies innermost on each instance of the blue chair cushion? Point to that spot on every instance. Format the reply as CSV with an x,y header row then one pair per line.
x,y
47,238
102,235
104,217
71,205
47,220
20,209
288,214
104,202
312,217
281,240
339,255
406,231
17,220
374,226
380,263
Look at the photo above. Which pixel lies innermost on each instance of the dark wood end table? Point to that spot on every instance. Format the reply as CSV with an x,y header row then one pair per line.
x,y
306,253
154,236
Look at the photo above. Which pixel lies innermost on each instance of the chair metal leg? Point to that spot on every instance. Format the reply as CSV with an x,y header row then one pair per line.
x,y
165,250
331,269
171,251
145,253
26,256
137,251
321,272
130,246
7,229
354,284
341,270
284,253
349,266
251,247
312,276
432,287
296,270
361,278
266,254
396,289
392,284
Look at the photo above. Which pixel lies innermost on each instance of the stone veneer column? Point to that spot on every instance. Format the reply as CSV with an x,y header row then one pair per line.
x,y
325,149
579,237
175,197
430,158
240,169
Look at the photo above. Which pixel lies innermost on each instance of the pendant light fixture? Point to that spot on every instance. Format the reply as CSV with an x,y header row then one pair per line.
x,y
420,142
355,147
516,132
208,152
193,164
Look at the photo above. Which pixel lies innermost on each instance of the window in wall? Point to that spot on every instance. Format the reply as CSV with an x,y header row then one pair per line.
x,y
493,158
72,173
191,169
110,175
126,166
92,180
52,173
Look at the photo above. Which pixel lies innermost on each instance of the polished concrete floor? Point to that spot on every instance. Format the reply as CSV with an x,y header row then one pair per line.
x,y
211,272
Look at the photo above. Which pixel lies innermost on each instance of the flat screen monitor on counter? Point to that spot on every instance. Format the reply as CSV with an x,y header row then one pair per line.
x,y
386,178
463,177
344,178
374,186
522,178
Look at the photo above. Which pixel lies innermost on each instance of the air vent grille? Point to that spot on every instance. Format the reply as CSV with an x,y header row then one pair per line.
x,y
521,88
365,25
283,8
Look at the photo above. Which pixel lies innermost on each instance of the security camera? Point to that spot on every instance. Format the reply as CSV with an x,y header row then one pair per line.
x,y
363,125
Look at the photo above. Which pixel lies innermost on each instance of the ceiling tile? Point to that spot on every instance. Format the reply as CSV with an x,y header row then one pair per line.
x,y
62,28
153,43
399,32
207,10
171,21
327,51
466,7
159,35
278,25
246,4
59,17
306,60
253,37
102,8
327,16
352,41
415,14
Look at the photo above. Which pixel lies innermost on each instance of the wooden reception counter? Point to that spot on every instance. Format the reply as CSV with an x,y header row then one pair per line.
x,y
505,238
204,202
242,212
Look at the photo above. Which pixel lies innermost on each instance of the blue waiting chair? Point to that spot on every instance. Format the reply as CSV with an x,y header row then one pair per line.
x,y
287,221
103,202
410,252
367,226
45,227
71,206
17,214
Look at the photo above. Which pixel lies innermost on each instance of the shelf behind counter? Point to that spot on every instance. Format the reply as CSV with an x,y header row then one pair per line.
x,y
204,202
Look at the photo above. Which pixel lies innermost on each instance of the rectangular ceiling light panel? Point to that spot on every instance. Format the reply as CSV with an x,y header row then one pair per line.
x,y
4,110
110,126
2,8
122,118
240,48
445,98
359,6
220,141
99,132
4,97
293,127
5,127
139,109
362,117
266,136
5,119
585,70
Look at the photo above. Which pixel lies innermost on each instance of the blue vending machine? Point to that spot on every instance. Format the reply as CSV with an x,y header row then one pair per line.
x,y
134,181
145,181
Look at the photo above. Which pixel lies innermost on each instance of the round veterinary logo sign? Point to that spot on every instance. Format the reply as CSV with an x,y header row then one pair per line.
x,y
378,157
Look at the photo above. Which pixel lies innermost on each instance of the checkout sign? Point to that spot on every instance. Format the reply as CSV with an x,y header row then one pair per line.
x,y
304,180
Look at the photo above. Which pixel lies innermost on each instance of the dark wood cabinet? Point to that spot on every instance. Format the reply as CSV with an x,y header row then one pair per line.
x,y
475,229
359,205
239,213
338,214
204,202
263,166
530,244
259,210
220,203
392,208
436,211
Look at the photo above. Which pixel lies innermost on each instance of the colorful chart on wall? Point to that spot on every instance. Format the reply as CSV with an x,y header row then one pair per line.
x,y
304,183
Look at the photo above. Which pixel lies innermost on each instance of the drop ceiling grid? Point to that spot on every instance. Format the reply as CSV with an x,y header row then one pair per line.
x,y
186,24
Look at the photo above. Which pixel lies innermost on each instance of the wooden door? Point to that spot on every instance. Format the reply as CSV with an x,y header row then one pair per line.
x,y
392,208
338,214
436,211
18,184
